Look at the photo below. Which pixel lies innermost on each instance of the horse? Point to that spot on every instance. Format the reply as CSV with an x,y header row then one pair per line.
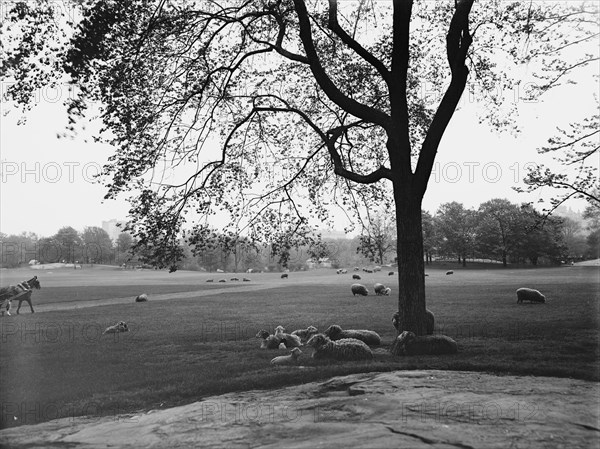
x,y
21,292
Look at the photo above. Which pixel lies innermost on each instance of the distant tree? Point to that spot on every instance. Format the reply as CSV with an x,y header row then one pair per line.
x,y
97,245
456,227
431,238
16,250
378,238
123,248
541,238
573,238
69,243
499,224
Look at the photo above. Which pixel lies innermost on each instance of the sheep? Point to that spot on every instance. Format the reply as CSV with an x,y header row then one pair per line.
x,y
356,277
284,276
429,322
289,359
290,341
344,349
377,268
209,280
382,290
268,341
529,294
449,272
246,280
141,298
391,273
338,271
344,271
335,332
356,269
121,326
222,280
407,343
234,279
305,334
359,289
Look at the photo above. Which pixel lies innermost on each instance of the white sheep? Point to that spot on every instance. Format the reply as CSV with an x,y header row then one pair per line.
x,y
289,359
289,340
141,298
268,341
429,322
344,271
407,343
305,334
335,332
359,289
121,326
382,290
345,349
529,294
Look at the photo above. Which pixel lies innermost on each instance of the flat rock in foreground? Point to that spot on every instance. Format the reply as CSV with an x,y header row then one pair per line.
x,y
415,409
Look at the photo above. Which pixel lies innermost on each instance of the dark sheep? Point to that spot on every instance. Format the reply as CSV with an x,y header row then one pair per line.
x,y
284,276
356,276
407,343
359,289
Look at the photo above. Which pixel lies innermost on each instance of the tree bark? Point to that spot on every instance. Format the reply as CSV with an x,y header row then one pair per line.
x,y
411,265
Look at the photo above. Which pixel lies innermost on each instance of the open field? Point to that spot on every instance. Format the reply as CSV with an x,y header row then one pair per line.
x,y
194,339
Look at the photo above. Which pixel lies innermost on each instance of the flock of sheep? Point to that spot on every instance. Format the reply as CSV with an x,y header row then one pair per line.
x,y
351,344
333,344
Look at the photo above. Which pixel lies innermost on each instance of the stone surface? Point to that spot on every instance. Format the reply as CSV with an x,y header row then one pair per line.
x,y
412,409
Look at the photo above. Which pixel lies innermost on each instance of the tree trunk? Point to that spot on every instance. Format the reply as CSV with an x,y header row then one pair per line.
x,y
504,261
464,261
411,265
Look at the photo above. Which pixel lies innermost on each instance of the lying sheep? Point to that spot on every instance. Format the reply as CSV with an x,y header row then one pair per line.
x,y
529,294
284,276
121,326
141,298
289,340
407,343
289,359
234,279
222,280
246,280
339,271
429,322
356,276
305,334
335,332
359,289
382,290
268,341
209,280
356,269
449,272
391,273
345,349
344,271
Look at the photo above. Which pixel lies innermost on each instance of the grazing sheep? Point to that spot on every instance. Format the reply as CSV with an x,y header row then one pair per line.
x,y
382,290
529,294
305,334
121,326
222,280
356,276
359,289
234,279
345,349
141,298
209,280
268,341
367,270
426,274
289,340
246,280
449,272
338,271
344,271
391,273
335,332
356,269
284,276
429,322
407,343
289,359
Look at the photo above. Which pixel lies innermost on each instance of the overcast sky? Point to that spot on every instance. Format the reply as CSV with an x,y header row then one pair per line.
x,y
47,183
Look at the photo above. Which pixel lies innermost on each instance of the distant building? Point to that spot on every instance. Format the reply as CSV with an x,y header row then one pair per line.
x,y
332,234
112,229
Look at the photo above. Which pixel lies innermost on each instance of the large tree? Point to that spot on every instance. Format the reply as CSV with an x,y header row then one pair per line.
x,y
202,101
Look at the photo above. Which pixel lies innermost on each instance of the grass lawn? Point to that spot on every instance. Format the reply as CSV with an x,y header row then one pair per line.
x,y
57,364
